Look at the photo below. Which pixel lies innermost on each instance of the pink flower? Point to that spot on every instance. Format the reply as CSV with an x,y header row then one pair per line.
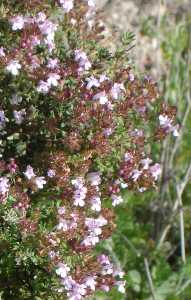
x,y
12,166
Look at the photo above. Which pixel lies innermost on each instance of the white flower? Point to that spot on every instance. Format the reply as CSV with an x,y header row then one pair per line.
x,y
103,78
175,131
29,173
43,87
92,82
90,283
131,77
61,210
17,23
2,52
124,185
4,185
142,189
116,90
119,272
51,173
19,116
52,63
62,270
94,178
108,131
83,60
165,121
67,5
78,182
63,225
40,18
80,192
2,119
121,286
136,174
116,200
155,171
53,79
96,203
102,97
101,221
79,196
128,156
48,29
40,182
146,162
91,3
90,241
13,67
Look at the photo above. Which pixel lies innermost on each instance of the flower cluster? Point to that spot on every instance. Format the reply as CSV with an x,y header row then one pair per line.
x,y
77,128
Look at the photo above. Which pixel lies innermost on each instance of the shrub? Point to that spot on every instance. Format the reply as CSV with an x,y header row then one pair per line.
x,y
77,128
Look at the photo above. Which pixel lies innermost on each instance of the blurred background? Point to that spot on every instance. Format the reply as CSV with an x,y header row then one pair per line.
x,y
152,242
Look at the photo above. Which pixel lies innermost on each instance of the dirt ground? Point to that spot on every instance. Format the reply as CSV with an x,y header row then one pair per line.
x,y
134,15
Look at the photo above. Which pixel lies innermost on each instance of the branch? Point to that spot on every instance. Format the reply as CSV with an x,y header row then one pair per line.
x,y
181,188
150,282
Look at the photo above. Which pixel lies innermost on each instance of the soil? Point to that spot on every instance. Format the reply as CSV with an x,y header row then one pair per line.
x,y
131,15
